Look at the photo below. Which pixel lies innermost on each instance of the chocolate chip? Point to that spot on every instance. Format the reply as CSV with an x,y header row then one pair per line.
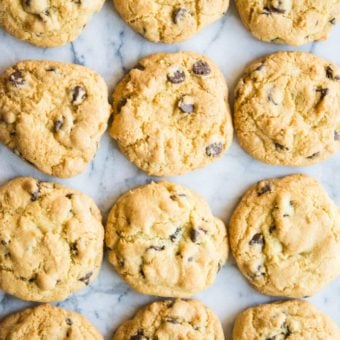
x,y
201,68
74,249
3,242
69,322
141,272
314,155
157,248
35,195
185,104
172,320
58,124
213,150
332,21
266,188
272,229
86,279
194,235
139,67
69,196
122,102
267,10
51,69
178,14
330,73
78,95
280,147
17,78
174,236
257,239
176,77
175,196
139,335
336,135
323,93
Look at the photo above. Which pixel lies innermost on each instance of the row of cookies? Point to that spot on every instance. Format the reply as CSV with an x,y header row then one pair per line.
x,y
176,319
171,112
163,239
57,22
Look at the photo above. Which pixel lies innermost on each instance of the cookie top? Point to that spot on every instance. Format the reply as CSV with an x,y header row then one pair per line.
x,y
47,23
170,21
47,322
172,319
287,109
53,114
293,319
171,113
163,240
289,22
51,240
285,236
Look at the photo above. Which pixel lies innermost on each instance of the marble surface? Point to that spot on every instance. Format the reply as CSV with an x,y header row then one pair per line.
x,y
111,48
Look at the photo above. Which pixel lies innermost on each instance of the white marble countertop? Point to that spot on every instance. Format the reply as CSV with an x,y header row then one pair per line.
x,y
111,48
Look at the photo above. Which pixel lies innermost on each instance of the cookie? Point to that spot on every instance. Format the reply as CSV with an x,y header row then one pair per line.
x,y
47,322
47,23
285,236
171,114
172,319
170,21
53,114
292,319
287,109
289,22
163,240
51,240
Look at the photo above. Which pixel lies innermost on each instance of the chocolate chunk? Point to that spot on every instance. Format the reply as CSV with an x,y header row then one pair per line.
x,y
185,104
174,236
201,68
86,278
280,147
69,196
157,248
58,124
257,239
122,102
139,67
176,77
314,155
323,93
194,235
213,150
78,95
139,336
267,10
17,78
336,135
266,188
178,14
69,322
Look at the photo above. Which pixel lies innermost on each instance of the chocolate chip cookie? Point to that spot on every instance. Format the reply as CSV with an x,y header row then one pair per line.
x,y
47,23
172,319
289,22
285,236
51,240
293,319
47,322
287,109
170,21
171,114
53,114
163,240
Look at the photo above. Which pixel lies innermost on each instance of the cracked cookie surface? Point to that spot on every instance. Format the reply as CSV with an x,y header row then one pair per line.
x,y
171,114
170,21
172,319
293,319
289,22
163,240
47,322
285,236
47,23
287,109
51,240
53,114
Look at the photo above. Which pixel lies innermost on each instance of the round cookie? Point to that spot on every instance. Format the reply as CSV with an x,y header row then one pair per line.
x,y
172,319
293,319
51,240
47,23
170,21
287,109
163,240
47,322
171,114
285,236
53,114
289,22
